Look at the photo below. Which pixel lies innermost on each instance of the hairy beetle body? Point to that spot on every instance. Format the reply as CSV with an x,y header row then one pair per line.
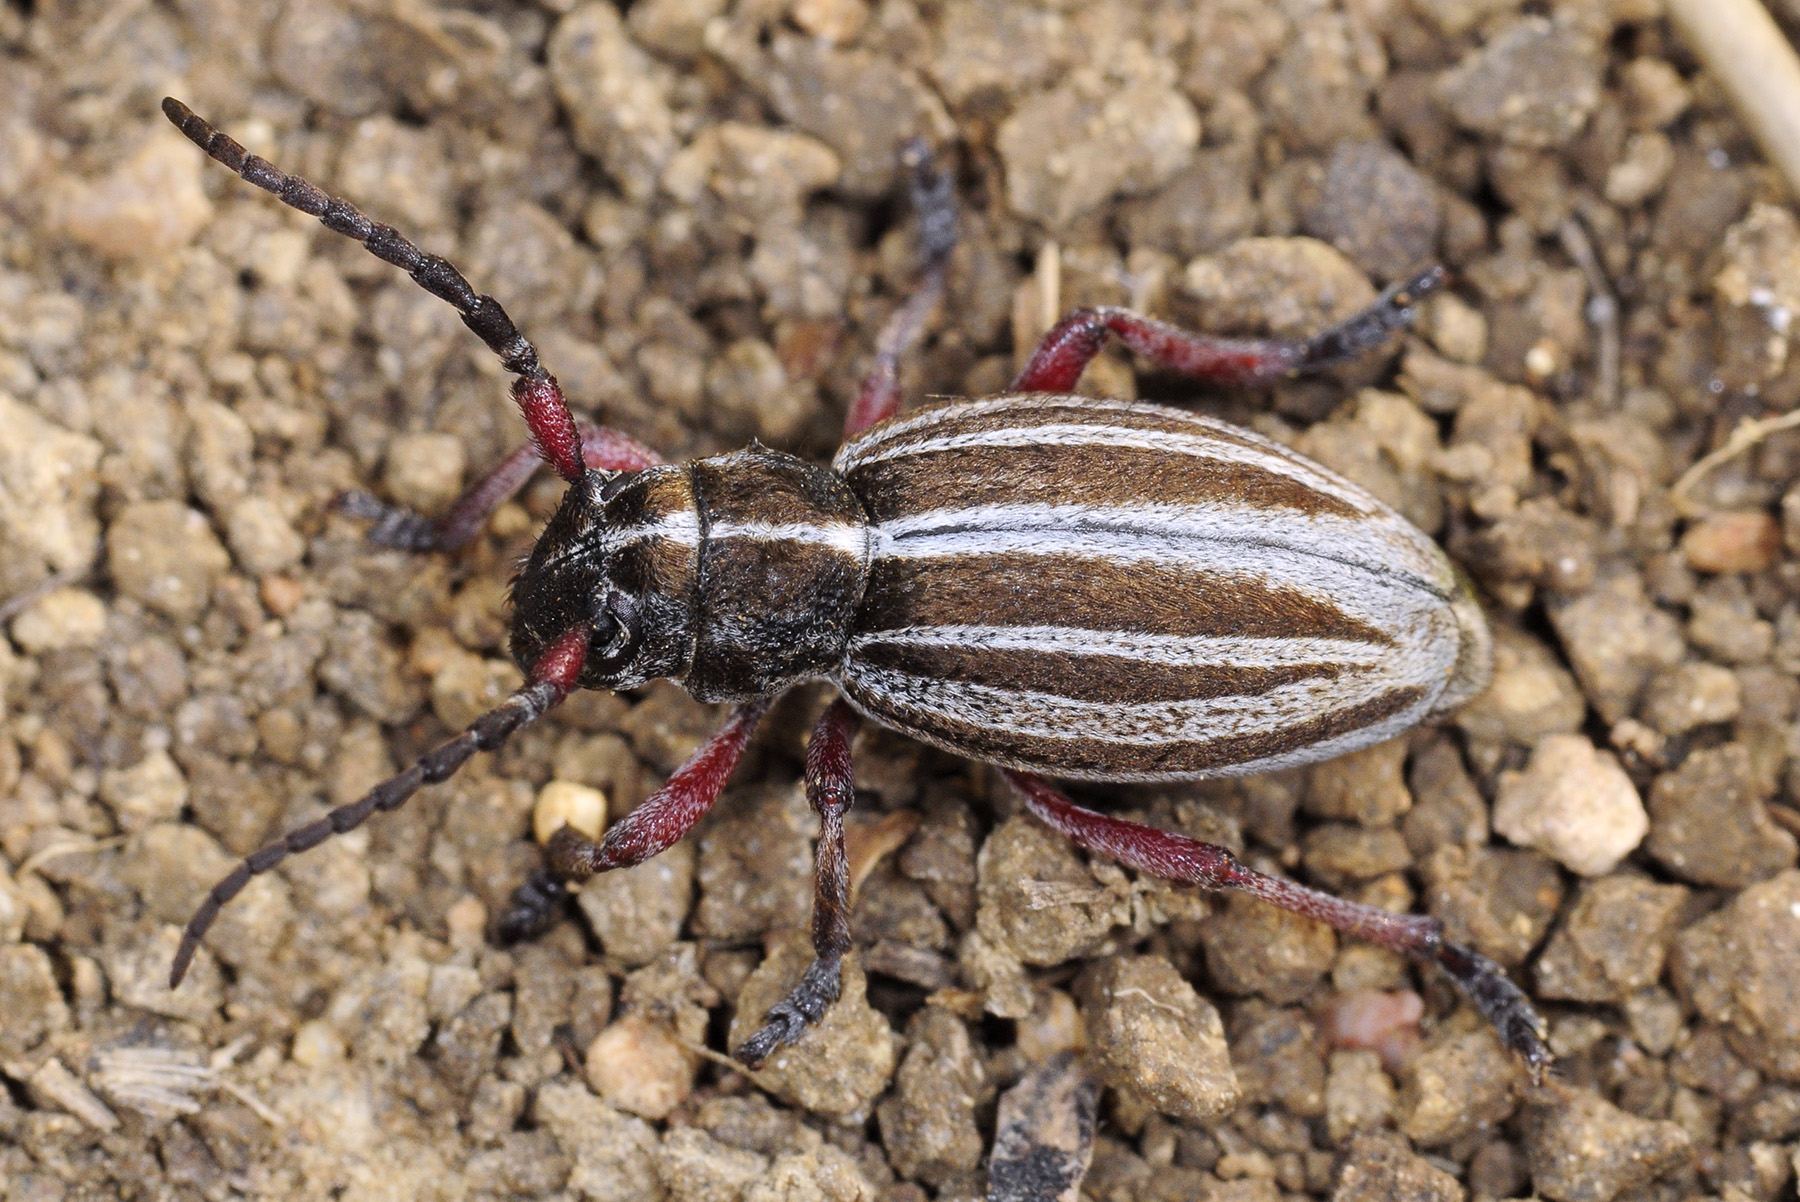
x,y
1202,602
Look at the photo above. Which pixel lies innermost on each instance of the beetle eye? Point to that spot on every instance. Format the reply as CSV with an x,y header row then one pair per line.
x,y
614,485
617,624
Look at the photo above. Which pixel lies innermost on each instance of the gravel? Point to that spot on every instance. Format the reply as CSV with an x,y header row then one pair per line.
x,y
694,208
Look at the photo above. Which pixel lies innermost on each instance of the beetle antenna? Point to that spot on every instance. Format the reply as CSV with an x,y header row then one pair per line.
x,y
552,678
536,391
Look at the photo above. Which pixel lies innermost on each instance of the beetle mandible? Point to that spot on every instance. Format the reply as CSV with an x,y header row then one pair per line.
x,y
1203,602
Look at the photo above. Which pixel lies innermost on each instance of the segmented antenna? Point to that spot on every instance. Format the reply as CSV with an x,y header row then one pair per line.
x,y
539,397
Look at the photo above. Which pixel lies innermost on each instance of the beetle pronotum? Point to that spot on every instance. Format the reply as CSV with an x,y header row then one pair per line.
x,y
1207,602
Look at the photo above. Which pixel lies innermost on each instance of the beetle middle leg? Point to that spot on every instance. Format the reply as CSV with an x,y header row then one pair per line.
x,y
831,788
1066,350
1188,861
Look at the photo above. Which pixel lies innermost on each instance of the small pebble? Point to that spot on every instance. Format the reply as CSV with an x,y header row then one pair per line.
x,y
259,534
1691,695
1582,1148
1151,1034
1461,1083
928,1121
836,21
1379,1166
1612,943
1708,824
152,790
1358,1094
165,555
1573,803
148,205
563,803
60,619
1745,540
424,471
638,1065
1533,85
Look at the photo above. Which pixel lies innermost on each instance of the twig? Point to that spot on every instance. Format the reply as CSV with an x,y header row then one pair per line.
x,y
1748,434
1741,45
1602,310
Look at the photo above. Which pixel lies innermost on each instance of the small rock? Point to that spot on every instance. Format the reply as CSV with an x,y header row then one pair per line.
x,y
1532,694
148,205
695,1167
138,971
673,28
750,395
1762,257
1376,208
152,790
1656,93
1067,150
616,97
1338,855
1642,170
563,803
1358,1094
1613,940
755,864
928,1121
637,913
638,1065
1150,1034
1038,900
60,619
1456,328
1286,287
1693,694
1457,1085
1253,947
466,686
1365,786
1745,540
261,537
1708,824
165,555
1581,1148
1573,803
30,999
1723,622
834,21
424,471
843,1062
1533,85
819,1173
1500,900
48,489
1380,1167
1616,640
614,1153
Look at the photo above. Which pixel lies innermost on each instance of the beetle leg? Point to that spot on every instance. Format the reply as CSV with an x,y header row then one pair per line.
x,y
831,789
554,674
1189,861
653,827
397,526
933,195
1067,350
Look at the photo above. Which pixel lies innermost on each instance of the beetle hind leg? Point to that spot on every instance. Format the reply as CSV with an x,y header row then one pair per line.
x,y
1189,861
831,789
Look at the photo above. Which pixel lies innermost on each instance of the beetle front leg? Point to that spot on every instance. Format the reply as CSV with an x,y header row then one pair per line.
x,y
656,825
1188,861
830,786
1067,349
407,530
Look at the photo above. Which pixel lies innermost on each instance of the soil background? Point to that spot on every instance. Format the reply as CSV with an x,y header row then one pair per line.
x,y
694,208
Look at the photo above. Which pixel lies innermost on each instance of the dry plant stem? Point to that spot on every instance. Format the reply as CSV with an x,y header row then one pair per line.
x,y
1746,436
1745,50
1602,310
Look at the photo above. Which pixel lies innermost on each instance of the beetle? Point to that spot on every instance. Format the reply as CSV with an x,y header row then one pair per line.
x,y
1065,587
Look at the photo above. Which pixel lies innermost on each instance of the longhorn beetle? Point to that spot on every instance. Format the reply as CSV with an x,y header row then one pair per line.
x,y
1064,587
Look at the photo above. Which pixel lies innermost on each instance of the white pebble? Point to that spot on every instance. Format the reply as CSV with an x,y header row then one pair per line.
x,y
1574,804
564,803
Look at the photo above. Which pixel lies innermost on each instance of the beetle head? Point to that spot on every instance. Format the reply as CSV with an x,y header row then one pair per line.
x,y
621,557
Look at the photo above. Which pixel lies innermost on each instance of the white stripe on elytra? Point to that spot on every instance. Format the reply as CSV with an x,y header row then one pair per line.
x,y
1146,724
1162,650
1074,434
1216,537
